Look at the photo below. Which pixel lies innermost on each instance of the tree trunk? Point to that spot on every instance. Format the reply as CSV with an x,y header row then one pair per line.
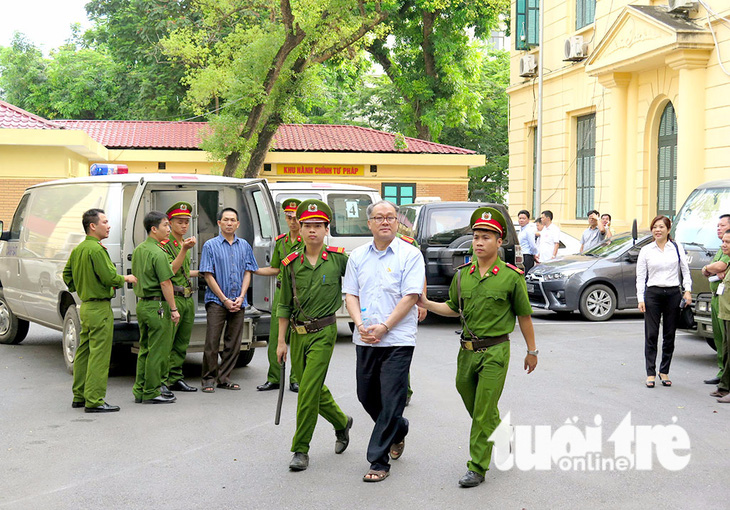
x,y
266,136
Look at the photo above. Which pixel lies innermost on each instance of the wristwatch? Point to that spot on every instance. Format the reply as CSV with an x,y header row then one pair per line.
x,y
534,353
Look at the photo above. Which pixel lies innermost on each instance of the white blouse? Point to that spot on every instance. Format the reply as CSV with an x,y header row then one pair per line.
x,y
661,267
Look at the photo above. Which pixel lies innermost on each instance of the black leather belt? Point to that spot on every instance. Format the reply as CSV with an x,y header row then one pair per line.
x,y
314,325
99,299
152,298
179,290
481,344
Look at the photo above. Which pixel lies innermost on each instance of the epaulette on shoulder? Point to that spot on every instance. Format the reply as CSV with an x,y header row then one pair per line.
x,y
289,258
164,242
280,236
336,249
407,239
514,268
464,265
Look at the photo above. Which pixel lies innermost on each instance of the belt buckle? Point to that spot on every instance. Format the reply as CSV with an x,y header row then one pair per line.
x,y
302,330
468,345
187,292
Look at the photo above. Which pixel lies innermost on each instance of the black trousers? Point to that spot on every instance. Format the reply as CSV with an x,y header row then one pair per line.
x,y
219,317
382,386
528,261
661,303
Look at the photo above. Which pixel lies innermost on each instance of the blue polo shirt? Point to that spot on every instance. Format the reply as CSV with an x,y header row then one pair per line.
x,y
227,262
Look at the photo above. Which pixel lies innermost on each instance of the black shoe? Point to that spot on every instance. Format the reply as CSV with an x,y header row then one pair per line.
x,y
299,462
714,380
103,408
165,392
268,386
181,385
343,437
471,479
294,387
160,400
78,405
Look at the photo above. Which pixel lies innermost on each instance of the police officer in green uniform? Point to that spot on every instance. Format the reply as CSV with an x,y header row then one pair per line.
x,y
177,248
311,294
285,244
156,310
718,266
91,274
488,294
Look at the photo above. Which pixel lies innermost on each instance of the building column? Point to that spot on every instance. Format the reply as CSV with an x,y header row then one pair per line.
x,y
615,111
690,110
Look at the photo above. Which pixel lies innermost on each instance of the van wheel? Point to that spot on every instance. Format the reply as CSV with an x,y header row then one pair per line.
x,y
597,303
70,339
244,358
12,330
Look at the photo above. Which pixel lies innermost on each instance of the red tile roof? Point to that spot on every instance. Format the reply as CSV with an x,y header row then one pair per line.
x,y
136,134
12,117
132,134
140,134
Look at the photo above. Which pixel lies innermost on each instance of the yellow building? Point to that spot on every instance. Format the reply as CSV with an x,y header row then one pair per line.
x,y
636,106
33,150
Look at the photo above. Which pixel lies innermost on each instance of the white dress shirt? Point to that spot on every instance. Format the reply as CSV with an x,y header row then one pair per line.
x,y
661,267
380,279
549,236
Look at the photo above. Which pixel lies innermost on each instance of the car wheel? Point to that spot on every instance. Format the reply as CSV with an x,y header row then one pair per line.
x,y
244,358
598,303
70,338
12,330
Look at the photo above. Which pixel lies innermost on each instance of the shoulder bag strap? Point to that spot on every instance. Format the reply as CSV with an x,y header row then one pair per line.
x,y
679,266
297,303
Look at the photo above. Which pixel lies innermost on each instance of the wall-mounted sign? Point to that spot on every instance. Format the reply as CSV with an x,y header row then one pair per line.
x,y
324,170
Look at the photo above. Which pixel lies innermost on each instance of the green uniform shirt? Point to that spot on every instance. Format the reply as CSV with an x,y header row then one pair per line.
x,y
719,257
490,303
150,266
172,247
723,301
90,272
283,247
319,288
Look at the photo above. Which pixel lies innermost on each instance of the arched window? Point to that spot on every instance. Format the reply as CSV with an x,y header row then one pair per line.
x,y
667,164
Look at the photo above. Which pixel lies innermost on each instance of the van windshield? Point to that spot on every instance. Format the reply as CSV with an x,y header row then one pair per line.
x,y
696,221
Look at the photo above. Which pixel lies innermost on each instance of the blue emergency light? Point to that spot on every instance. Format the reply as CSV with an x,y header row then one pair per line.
x,y
107,169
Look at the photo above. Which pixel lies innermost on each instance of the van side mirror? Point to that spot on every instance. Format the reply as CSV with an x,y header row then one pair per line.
x,y
4,236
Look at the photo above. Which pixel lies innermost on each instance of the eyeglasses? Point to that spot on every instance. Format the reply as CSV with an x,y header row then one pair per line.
x,y
381,219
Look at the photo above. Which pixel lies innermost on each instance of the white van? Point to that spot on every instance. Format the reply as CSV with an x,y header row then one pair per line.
x,y
349,226
47,226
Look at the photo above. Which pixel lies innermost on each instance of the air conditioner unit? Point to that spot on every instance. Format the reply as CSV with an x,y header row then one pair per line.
x,y
528,66
575,48
682,6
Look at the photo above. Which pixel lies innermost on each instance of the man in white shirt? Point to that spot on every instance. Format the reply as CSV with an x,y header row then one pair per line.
x,y
382,282
549,237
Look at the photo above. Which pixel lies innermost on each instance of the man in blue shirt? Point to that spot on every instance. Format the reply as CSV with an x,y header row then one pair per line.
x,y
226,264
527,239
382,283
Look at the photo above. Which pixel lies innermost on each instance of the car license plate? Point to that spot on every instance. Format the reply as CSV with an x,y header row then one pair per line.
x,y
530,287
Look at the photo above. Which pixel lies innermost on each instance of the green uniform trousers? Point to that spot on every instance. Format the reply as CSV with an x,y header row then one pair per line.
x,y
725,378
274,366
479,380
91,362
155,340
718,332
310,358
180,340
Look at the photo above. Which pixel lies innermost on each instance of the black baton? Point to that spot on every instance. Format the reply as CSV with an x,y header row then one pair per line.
x,y
282,380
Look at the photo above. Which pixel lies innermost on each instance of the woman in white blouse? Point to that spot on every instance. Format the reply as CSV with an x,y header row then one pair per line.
x,y
659,295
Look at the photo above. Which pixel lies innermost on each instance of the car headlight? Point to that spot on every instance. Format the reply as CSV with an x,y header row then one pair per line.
x,y
702,306
560,275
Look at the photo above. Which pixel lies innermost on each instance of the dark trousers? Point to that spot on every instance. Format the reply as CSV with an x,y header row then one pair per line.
x,y
528,261
218,316
382,386
661,303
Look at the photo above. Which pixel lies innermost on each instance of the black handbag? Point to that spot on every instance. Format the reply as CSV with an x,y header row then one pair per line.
x,y
686,318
